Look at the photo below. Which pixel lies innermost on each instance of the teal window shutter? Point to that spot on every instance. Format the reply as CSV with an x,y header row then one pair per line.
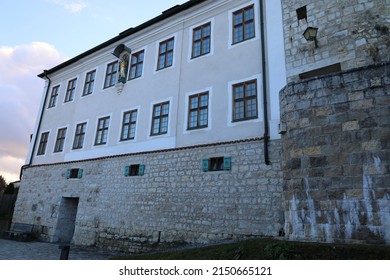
x,y
67,173
227,163
127,170
141,170
80,173
205,164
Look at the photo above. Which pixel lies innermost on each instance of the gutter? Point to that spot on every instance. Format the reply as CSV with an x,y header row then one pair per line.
x,y
45,74
264,82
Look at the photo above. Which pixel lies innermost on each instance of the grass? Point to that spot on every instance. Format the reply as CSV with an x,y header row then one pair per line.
x,y
272,249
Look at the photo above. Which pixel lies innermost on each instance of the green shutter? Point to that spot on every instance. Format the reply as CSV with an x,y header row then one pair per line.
x,y
127,170
141,170
205,164
80,173
67,174
227,163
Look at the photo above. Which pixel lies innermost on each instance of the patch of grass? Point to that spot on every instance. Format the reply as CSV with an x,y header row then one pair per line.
x,y
272,249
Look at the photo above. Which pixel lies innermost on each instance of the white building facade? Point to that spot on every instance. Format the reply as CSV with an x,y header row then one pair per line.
x,y
167,132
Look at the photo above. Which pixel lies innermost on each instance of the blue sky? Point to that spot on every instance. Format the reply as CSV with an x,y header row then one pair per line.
x,y
39,34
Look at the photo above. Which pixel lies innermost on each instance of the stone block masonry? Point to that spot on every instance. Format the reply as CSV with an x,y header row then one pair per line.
x,y
336,156
352,33
174,200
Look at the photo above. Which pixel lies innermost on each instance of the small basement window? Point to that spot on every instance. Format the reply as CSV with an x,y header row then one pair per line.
x,y
134,170
302,13
216,164
74,173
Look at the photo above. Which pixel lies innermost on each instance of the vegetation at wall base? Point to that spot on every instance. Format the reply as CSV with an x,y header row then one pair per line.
x,y
272,249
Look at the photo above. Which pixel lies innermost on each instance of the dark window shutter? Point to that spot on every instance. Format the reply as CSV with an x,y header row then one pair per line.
x,y
127,171
205,164
141,170
227,163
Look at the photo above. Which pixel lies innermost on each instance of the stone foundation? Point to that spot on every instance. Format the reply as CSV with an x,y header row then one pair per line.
x,y
174,201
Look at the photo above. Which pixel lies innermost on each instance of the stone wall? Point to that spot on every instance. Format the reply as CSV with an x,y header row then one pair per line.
x,y
175,200
336,156
354,33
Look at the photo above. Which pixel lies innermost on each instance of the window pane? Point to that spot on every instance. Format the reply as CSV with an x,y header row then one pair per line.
x,y
197,34
163,48
193,119
239,92
249,14
239,110
207,31
203,117
141,57
169,59
251,108
157,111
161,62
251,89
125,132
156,126
204,100
238,37
194,102
249,30
206,46
170,45
164,125
165,109
196,50
238,18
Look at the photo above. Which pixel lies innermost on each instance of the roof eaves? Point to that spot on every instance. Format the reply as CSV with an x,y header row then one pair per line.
x,y
165,14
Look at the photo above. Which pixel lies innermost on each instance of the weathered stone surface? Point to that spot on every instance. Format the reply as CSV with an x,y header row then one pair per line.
x,y
337,178
174,200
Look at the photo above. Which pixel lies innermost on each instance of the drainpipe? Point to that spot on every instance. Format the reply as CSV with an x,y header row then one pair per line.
x,y
264,82
39,126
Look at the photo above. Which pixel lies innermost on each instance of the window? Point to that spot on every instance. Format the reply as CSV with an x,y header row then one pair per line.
x,y
137,63
128,125
201,40
53,97
135,170
74,173
198,111
43,143
302,13
243,24
111,73
70,90
165,54
160,118
216,164
245,101
89,83
60,141
79,136
102,131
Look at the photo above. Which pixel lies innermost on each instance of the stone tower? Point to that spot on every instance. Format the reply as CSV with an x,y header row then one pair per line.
x,y
335,116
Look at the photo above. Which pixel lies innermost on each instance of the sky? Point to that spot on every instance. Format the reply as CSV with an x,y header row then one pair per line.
x,y
39,34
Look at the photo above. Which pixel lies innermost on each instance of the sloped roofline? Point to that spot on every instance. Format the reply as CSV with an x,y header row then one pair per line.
x,y
166,14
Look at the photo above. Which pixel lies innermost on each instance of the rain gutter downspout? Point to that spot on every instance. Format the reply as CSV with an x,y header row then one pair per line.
x,y
39,125
264,83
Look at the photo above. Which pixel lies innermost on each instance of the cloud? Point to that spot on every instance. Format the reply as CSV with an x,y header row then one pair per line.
x,y
20,95
75,7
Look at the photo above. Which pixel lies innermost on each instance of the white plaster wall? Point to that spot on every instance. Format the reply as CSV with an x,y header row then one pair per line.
x,y
216,71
